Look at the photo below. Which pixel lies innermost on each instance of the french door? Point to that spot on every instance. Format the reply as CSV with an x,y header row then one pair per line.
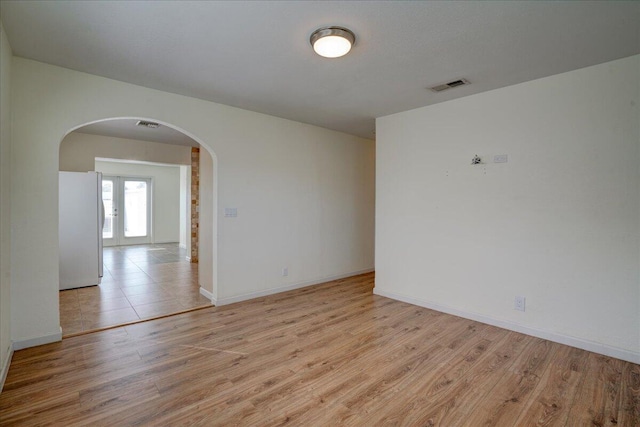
x,y
127,208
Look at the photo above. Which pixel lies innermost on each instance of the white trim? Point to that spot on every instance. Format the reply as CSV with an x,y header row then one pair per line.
x,y
33,342
208,295
593,346
5,366
182,246
139,162
188,258
252,295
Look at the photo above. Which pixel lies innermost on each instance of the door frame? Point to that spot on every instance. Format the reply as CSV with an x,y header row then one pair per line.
x,y
70,123
119,238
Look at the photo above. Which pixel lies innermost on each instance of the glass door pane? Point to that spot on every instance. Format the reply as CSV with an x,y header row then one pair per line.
x,y
127,210
107,200
135,208
110,191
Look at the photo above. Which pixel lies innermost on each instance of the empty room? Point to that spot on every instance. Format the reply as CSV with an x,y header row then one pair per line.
x,y
320,213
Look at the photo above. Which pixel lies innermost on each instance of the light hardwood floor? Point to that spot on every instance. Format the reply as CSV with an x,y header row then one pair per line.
x,y
327,355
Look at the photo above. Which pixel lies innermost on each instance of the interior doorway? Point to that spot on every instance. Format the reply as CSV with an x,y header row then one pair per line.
x,y
144,281
127,208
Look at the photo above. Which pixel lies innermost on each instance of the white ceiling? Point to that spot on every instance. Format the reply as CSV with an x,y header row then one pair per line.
x,y
256,55
127,128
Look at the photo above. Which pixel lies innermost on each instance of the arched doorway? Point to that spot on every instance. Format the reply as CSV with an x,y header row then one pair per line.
x,y
156,279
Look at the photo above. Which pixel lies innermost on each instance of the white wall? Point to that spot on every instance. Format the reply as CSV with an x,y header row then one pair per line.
x,y
165,195
79,150
559,223
304,194
5,205
314,195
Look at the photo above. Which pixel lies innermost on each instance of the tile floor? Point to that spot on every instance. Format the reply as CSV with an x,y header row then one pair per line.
x,y
140,282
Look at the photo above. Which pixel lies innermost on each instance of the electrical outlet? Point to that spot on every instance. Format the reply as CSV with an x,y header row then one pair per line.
x,y
518,303
285,271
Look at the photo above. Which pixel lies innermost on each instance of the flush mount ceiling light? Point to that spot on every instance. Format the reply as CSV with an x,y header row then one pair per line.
x,y
332,42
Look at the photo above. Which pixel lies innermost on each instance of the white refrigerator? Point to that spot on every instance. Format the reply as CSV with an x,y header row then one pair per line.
x,y
80,228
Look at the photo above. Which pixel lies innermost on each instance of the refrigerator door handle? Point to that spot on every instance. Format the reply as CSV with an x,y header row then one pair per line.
x,y
103,215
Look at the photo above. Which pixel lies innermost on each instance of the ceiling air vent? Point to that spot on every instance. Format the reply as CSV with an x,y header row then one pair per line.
x,y
147,124
445,86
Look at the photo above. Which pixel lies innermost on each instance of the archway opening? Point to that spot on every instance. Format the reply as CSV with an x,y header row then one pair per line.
x,y
172,269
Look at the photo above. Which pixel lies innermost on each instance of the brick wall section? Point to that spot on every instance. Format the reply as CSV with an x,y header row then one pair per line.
x,y
195,202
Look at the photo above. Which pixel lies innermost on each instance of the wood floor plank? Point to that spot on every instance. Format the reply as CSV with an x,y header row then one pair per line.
x,y
510,395
629,411
550,405
598,397
42,406
331,354
441,395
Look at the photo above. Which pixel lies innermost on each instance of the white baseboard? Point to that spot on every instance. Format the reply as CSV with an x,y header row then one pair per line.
x,y
32,342
263,293
205,293
188,258
593,346
5,366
